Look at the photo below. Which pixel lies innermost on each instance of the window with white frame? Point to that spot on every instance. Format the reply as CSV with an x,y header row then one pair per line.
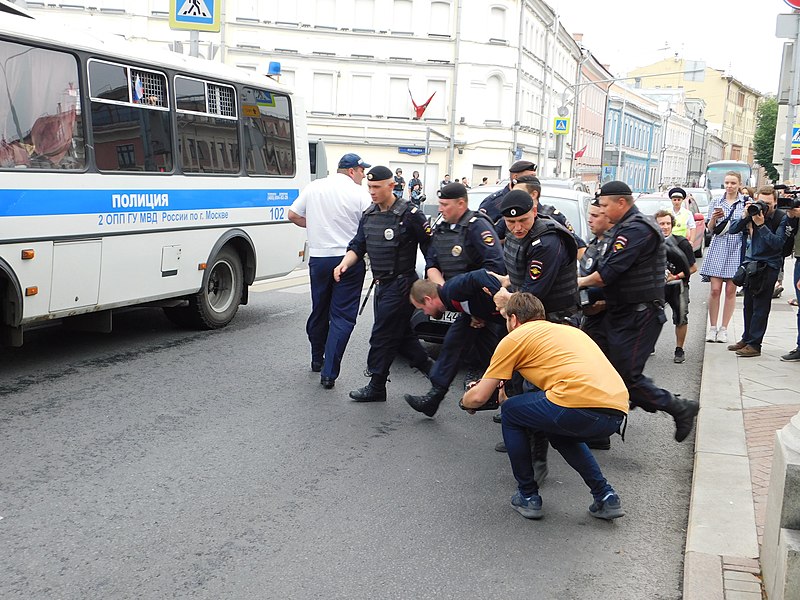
x,y
494,97
361,95
399,100
364,17
322,100
440,18
438,106
497,23
286,13
402,16
325,15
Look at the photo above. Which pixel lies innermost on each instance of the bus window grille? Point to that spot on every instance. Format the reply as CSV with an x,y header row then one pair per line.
x,y
153,87
220,101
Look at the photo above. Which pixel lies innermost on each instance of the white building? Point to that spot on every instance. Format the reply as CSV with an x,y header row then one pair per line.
x,y
498,72
676,135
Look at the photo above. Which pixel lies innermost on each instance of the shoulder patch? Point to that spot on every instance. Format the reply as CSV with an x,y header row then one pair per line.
x,y
414,209
536,269
487,237
428,229
620,242
536,242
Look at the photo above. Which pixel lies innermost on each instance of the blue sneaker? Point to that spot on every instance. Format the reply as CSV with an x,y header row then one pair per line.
x,y
529,507
609,507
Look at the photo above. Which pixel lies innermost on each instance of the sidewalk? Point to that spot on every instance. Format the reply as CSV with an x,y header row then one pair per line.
x,y
743,402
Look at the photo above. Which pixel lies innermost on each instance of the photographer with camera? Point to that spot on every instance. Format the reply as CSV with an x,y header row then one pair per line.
x,y
764,229
789,200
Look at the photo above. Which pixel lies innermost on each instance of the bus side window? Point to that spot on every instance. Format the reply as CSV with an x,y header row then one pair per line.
x,y
130,118
41,120
268,140
206,120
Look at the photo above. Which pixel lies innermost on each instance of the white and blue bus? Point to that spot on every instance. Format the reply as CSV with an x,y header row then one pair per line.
x,y
130,176
715,174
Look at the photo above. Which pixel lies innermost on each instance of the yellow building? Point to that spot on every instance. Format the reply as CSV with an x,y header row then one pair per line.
x,y
731,106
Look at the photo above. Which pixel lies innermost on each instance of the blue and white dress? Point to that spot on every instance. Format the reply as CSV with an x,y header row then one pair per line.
x,y
724,254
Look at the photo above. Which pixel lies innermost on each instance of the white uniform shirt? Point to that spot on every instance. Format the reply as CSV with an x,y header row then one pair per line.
x,y
332,207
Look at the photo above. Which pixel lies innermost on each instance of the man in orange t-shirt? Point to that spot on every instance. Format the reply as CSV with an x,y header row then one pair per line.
x,y
580,397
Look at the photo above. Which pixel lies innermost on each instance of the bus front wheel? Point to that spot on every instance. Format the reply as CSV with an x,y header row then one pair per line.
x,y
215,305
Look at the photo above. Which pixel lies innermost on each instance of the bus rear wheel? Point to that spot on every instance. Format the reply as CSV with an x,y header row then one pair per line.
x,y
215,305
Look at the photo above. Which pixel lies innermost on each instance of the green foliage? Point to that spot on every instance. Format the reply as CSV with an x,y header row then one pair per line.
x,y
764,139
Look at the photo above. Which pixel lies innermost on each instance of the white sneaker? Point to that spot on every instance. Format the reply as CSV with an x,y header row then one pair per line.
x,y
711,336
722,336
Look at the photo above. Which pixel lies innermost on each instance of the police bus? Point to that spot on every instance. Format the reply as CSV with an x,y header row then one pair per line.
x,y
130,176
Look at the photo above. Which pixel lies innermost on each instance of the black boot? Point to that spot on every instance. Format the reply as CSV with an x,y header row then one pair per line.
x,y
539,445
601,443
684,413
429,403
374,391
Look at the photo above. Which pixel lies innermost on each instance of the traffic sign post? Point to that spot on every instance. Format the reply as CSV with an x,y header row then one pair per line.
x,y
796,136
795,157
793,3
195,15
561,125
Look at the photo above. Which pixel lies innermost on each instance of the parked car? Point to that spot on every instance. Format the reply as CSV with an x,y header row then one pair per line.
x,y
650,204
572,203
573,184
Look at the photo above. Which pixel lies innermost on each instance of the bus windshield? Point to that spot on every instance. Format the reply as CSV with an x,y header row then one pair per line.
x,y
715,173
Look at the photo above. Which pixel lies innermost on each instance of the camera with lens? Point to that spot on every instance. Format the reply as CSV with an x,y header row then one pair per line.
x,y
789,200
759,207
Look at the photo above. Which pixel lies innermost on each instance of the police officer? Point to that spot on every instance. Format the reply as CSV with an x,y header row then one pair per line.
x,y
684,218
491,204
540,256
593,304
465,294
632,274
389,231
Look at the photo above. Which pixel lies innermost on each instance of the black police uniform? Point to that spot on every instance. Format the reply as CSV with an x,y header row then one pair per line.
x,y
594,324
633,271
391,239
491,204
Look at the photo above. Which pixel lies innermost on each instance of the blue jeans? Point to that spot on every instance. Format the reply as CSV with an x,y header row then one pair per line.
x,y
797,295
334,308
566,428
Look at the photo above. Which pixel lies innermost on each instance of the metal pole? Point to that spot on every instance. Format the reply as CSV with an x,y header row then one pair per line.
x,y
454,95
793,93
194,44
425,166
518,92
619,140
544,168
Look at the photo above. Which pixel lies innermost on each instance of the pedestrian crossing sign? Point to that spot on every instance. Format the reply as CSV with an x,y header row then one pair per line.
x,y
796,136
196,15
561,125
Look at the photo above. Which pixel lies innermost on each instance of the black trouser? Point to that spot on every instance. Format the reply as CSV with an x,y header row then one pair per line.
x,y
632,331
595,327
756,309
391,333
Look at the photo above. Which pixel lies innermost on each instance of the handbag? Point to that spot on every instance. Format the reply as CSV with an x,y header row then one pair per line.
x,y
722,227
751,274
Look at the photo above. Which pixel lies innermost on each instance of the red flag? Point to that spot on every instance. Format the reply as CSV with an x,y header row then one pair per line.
x,y
420,109
580,152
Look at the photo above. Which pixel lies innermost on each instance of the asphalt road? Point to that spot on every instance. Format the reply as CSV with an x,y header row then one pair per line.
x,y
155,462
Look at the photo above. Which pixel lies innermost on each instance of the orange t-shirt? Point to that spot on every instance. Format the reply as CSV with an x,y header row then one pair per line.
x,y
564,362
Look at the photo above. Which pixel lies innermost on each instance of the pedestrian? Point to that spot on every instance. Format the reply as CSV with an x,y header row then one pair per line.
x,y
723,256
484,181
330,209
632,275
416,196
684,218
491,204
764,229
469,294
465,182
541,258
794,220
463,241
399,183
445,181
579,396
680,266
390,231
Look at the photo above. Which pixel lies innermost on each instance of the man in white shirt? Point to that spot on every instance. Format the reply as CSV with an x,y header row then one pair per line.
x,y
330,210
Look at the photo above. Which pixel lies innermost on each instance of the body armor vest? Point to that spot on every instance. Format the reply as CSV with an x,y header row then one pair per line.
x,y
563,294
593,256
681,226
644,281
452,251
676,259
392,250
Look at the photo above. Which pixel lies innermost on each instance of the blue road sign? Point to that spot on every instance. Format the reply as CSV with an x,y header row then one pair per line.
x,y
201,15
561,125
796,136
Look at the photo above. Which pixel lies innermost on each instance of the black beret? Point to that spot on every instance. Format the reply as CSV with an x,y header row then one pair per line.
x,y
452,191
516,203
530,179
379,173
615,188
522,165
677,191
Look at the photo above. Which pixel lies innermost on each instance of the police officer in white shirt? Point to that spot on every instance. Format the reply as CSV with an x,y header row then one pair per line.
x,y
330,210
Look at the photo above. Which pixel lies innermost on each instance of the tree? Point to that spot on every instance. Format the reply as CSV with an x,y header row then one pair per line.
x,y
764,139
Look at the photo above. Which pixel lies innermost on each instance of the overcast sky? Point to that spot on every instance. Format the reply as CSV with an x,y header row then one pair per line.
x,y
734,35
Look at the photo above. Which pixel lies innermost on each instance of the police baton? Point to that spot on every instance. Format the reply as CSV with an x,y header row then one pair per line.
x,y
363,304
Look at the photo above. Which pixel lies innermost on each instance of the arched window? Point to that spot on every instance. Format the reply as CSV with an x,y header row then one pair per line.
x,y
497,23
440,18
401,16
364,15
494,98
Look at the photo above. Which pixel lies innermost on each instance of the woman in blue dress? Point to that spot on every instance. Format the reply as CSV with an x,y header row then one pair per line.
x,y
723,257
